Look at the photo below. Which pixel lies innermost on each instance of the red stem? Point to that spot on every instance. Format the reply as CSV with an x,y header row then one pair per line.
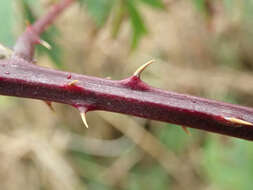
x,y
41,25
129,96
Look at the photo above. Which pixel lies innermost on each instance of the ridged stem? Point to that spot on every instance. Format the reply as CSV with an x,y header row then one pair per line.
x,y
18,77
129,96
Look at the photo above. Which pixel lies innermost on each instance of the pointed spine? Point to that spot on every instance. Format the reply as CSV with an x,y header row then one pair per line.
x,y
83,111
139,71
238,121
186,130
50,105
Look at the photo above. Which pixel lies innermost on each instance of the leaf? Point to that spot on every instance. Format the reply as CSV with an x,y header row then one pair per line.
x,y
98,9
228,165
27,11
174,138
49,36
200,5
55,52
118,18
138,25
155,3
6,22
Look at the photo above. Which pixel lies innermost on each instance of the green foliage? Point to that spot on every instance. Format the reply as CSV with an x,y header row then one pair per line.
x,y
101,9
138,26
173,137
54,53
49,35
154,3
118,17
229,165
6,22
98,9
200,5
149,178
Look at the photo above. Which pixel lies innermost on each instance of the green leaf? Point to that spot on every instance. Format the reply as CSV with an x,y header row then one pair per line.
x,y
174,138
118,17
6,22
98,9
200,5
155,3
148,177
27,11
138,25
49,35
55,52
228,164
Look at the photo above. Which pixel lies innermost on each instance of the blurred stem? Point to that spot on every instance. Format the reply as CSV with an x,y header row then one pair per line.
x,y
25,45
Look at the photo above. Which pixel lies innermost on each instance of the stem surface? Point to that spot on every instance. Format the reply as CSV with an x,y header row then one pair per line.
x,y
129,96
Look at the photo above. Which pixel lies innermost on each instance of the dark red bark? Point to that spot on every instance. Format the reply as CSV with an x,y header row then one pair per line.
x,y
18,77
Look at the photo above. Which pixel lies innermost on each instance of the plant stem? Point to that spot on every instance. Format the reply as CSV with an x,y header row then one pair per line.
x,y
129,96
18,77
25,45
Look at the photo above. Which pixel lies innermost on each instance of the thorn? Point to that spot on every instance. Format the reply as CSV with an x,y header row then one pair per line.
x,y
186,130
138,72
49,104
72,83
238,121
45,44
83,116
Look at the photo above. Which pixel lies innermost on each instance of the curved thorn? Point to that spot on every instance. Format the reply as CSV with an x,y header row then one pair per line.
x,y
72,83
138,72
238,121
83,116
49,104
45,44
186,130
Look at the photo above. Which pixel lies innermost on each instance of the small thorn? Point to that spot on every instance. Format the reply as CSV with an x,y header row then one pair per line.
x,y
49,104
83,116
238,121
72,83
45,44
138,72
186,130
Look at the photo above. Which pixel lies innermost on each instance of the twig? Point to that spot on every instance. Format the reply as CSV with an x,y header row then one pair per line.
x,y
25,44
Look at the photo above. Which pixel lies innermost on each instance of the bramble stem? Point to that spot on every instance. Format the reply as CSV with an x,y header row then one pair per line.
x,y
18,77
130,96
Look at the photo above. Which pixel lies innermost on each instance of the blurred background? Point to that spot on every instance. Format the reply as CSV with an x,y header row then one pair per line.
x,y
201,47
